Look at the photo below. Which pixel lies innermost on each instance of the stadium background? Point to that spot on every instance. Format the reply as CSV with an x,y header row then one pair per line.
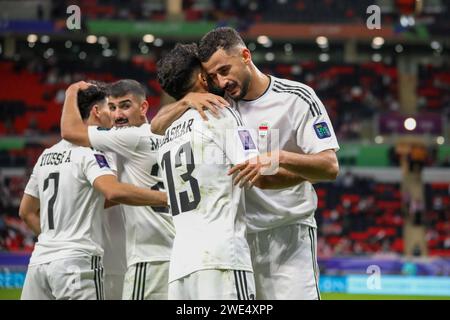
x,y
384,230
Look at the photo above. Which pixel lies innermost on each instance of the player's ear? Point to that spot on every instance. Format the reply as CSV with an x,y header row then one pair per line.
x,y
144,107
246,55
202,80
95,111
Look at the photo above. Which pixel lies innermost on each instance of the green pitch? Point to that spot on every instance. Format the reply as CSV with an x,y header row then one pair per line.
x,y
14,294
10,294
347,296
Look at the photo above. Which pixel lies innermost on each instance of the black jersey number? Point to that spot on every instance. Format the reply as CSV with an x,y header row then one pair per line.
x,y
185,203
158,187
51,202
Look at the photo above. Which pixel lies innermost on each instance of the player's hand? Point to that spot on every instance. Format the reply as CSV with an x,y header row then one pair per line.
x,y
77,86
202,101
250,172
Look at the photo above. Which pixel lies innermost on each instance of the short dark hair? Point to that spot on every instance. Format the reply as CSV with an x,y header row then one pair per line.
x,y
177,68
125,86
87,98
221,38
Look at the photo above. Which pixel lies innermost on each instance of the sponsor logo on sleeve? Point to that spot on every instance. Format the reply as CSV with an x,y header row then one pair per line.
x,y
101,160
322,130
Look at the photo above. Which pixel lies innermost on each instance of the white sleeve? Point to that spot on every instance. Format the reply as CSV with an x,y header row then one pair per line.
x,y
111,157
315,132
120,140
95,165
32,187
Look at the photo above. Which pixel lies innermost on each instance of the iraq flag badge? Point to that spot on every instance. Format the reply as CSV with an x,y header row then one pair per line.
x,y
263,129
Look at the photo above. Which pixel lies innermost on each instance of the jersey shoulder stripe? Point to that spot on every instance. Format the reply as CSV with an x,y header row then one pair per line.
x,y
299,95
311,105
236,116
301,92
302,89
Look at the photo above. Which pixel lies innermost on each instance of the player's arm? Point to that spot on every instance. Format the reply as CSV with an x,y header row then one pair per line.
x,y
264,172
322,166
125,193
29,213
200,101
282,179
316,138
73,128
292,168
109,204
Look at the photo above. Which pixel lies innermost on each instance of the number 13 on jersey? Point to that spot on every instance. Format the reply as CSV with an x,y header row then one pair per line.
x,y
186,204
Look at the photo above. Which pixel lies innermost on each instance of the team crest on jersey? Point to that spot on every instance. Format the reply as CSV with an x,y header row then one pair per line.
x,y
246,139
263,129
101,160
322,130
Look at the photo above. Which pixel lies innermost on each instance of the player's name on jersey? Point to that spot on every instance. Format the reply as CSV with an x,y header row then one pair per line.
x,y
154,143
178,131
55,158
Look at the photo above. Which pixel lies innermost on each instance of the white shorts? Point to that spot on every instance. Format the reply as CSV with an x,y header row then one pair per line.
x,y
78,278
146,281
213,284
113,286
285,263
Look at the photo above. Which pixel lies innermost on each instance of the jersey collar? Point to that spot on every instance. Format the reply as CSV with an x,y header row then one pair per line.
x,y
265,91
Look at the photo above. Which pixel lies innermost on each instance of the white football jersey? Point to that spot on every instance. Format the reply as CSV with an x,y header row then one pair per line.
x,y
114,238
292,113
149,230
70,207
208,211
114,241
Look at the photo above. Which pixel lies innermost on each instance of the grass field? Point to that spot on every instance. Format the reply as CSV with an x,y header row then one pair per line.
x,y
14,294
10,294
347,296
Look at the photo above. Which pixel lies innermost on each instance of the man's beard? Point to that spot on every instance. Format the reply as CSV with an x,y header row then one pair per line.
x,y
244,88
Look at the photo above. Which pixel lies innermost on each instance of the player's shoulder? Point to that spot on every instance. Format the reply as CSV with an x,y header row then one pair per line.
x,y
296,95
287,84
191,120
145,127
190,117
63,146
84,155
124,130
191,113
228,118
72,153
51,149
284,88
81,151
